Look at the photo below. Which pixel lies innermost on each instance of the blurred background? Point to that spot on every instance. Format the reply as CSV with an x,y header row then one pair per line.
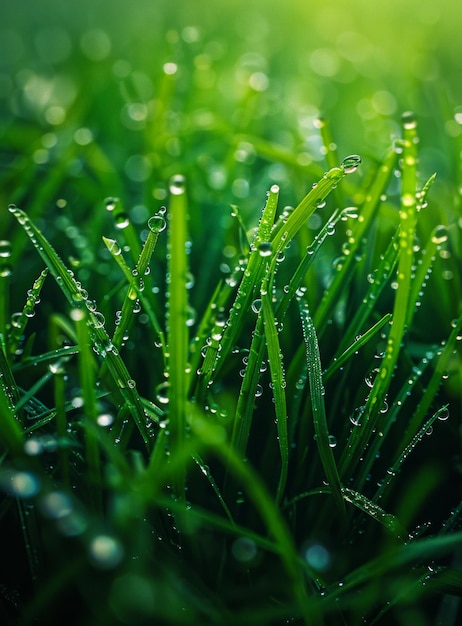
x,y
101,70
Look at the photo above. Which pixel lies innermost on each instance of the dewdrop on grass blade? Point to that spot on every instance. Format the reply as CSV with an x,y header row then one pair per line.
x,y
351,163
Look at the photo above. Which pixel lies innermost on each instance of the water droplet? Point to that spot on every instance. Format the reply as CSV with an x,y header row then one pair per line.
x,y
332,441
110,203
162,392
256,305
97,319
5,249
122,221
409,120
350,163
439,234
443,414
113,246
177,185
350,212
156,224
265,248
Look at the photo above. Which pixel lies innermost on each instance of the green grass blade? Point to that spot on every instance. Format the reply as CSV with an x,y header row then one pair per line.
x,y
363,223
136,287
177,329
323,439
10,429
444,354
248,391
417,438
19,320
259,255
359,342
87,379
278,387
360,438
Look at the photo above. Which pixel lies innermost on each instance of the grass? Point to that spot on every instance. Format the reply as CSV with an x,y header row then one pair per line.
x,y
219,406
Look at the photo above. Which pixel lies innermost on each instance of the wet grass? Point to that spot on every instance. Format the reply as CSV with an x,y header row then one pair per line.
x,y
262,458
230,354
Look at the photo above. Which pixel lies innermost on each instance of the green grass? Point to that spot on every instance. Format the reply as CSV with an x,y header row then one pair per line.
x,y
230,355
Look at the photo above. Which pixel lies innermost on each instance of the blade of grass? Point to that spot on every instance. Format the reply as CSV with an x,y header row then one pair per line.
x,y
19,320
363,223
260,253
87,382
323,440
10,429
177,329
278,386
360,437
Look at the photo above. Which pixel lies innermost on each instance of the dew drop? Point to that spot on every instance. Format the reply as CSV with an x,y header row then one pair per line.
x,y
162,392
122,221
332,441
110,203
177,185
440,234
409,120
156,224
256,305
350,163
443,414
265,248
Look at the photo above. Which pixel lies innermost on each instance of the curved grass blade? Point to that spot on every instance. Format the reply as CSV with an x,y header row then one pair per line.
x,y
444,355
359,439
419,551
317,402
359,342
368,209
395,468
135,290
316,196
377,282
19,320
78,297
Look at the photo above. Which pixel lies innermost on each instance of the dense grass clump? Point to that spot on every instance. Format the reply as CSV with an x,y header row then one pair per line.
x,y
259,458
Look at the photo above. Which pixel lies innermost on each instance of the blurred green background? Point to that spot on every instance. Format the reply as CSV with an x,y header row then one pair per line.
x,y
99,64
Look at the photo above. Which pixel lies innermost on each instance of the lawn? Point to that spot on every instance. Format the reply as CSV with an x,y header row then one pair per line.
x,y
230,313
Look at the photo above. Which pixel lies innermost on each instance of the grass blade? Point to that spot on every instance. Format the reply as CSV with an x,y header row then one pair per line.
x,y
177,329
323,440
359,439
278,387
